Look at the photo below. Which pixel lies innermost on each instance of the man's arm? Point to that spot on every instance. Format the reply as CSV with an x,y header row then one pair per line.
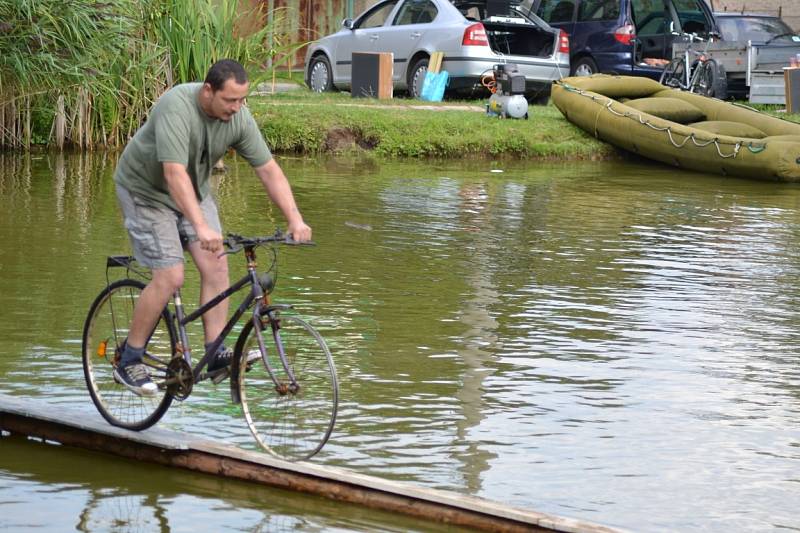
x,y
280,192
181,190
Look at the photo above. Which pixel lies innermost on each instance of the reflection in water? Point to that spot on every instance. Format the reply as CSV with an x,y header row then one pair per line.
x,y
55,488
479,340
576,339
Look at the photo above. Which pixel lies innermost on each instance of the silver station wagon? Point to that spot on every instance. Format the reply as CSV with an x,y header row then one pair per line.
x,y
473,35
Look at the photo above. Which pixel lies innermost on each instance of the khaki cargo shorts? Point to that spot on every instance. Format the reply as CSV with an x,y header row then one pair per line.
x,y
159,234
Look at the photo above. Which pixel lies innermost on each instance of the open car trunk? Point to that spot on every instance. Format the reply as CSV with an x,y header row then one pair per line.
x,y
519,40
507,31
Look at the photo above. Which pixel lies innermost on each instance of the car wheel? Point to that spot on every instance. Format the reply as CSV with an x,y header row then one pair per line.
x,y
416,76
320,75
585,66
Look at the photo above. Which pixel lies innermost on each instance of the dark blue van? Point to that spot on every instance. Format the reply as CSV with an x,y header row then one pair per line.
x,y
632,37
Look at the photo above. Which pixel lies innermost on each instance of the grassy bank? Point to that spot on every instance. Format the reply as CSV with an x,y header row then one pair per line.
x,y
299,121
303,122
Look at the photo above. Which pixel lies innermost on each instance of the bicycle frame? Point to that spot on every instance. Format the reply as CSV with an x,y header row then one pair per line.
x,y
691,73
256,295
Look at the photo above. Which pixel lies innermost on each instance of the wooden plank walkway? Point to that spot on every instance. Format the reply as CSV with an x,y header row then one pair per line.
x,y
35,418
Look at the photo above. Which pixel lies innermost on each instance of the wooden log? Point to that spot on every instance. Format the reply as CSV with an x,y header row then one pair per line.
x,y
34,418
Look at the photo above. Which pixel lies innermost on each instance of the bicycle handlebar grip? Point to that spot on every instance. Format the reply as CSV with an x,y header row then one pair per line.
x,y
290,241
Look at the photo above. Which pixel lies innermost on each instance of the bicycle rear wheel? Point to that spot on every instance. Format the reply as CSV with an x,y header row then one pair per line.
x,y
104,332
674,74
293,425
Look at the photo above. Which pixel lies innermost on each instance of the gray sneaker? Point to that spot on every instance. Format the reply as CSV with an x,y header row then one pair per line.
x,y
221,364
136,378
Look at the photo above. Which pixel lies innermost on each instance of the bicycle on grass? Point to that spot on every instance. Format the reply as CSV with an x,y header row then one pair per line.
x,y
695,71
282,373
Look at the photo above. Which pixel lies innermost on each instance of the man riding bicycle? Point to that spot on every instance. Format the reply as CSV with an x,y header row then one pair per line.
x,y
163,188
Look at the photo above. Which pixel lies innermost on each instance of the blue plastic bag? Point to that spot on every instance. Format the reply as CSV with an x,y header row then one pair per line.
x,y
433,86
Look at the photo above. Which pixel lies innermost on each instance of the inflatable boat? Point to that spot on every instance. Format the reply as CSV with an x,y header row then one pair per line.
x,y
682,129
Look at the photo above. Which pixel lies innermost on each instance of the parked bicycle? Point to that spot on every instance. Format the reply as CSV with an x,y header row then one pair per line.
x,y
695,71
282,373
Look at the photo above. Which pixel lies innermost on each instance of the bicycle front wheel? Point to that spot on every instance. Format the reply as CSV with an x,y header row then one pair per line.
x,y
703,79
290,420
711,80
674,74
105,331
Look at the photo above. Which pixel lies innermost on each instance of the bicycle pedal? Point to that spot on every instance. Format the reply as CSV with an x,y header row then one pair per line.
x,y
221,376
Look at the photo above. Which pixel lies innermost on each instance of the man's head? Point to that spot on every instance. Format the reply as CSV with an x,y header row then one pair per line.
x,y
224,89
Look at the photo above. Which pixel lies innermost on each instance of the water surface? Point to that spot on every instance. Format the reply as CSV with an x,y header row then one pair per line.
x,y
614,342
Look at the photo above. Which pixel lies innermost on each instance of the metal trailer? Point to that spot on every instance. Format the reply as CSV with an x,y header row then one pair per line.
x,y
753,70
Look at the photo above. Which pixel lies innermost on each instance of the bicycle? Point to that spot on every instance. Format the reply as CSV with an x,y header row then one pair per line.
x,y
695,71
282,373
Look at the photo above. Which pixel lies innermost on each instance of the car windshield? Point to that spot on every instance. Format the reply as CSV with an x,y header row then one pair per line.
x,y
758,29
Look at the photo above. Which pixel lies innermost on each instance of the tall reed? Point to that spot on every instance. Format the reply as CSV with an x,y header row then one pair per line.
x,y
85,73
199,32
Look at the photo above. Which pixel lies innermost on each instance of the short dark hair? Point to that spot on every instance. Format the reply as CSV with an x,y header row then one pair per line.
x,y
222,71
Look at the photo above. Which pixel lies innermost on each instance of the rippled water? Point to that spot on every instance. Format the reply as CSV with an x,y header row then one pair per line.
x,y
608,341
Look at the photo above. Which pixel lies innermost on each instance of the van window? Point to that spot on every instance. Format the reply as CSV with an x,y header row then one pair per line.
x,y
691,16
589,10
556,10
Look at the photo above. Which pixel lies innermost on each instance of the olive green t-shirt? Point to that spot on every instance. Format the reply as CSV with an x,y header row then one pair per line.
x,y
179,131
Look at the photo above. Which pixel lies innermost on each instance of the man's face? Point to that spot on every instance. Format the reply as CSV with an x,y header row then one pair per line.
x,y
227,101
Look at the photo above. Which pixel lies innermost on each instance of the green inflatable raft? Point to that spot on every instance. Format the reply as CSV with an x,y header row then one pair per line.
x,y
681,129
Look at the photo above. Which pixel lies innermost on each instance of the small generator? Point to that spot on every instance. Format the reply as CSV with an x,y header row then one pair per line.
x,y
508,99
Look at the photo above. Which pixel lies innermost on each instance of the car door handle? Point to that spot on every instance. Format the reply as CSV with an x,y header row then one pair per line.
x,y
373,37
415,35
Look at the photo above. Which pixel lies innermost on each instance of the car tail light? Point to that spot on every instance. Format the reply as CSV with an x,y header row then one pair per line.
x,y
625,34
475,35
563,42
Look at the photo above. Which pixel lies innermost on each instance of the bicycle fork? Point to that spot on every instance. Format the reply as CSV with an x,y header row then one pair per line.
x,y
261,297
282,387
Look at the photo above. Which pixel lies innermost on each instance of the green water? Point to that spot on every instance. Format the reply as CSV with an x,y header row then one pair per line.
x,y
614,342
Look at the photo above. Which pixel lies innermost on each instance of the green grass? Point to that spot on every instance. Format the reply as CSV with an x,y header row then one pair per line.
x,y
300,121
304,122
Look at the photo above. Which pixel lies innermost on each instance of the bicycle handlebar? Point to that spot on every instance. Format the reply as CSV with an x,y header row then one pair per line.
x,y
692,36
236,243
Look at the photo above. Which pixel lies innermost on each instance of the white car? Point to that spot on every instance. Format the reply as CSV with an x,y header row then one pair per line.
x,y
473,35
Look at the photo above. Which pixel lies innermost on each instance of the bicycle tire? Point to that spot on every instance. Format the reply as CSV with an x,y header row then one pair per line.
x,y
716,79
703,79
674,74
104,332
290,425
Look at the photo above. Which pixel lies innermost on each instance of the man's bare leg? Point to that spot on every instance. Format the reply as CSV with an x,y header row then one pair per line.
x,y
146,314
152,301
213,280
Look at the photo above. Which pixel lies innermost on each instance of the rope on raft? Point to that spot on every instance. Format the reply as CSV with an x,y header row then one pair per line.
x,y
701,144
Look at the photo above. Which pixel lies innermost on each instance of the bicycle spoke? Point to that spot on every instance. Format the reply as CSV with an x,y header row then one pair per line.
x,y
291,420
105,330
